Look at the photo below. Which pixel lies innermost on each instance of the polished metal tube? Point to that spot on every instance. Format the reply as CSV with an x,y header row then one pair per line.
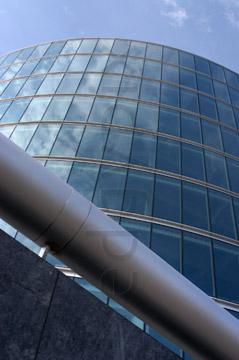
x,y
52,214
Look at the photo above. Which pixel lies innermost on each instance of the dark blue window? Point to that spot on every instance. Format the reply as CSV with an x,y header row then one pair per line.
x,y
234,94
221,91
236,212
211,134
189,100
167,198
168,155
93,142
143,150
169,95
195,207
138,194
230,141
225,114
226,259
147,117
221,211
202,65
170,55
166,242
139,229
197,261
187,78
207,107
190,128
233,172
216,169
192,162
169,121
110,187
217,72
204,84
170,73
186,60
231,78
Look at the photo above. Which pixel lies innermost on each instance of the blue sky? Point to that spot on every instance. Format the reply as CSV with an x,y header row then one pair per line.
x,y
209,28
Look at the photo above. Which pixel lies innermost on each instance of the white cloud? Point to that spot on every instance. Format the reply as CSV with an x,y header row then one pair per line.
x,y
231,8
177,14
203,23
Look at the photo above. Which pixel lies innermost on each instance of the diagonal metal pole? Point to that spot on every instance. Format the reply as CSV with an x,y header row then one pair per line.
x,y
53,214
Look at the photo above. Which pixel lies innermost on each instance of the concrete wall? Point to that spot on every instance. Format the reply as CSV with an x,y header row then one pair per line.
x,y
46,316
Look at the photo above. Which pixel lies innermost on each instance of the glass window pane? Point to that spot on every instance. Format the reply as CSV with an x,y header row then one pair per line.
x,y
167,198
236,213
67,140
189,100
169,95
87,46
225,114
226,259
61,64
93,142
195,207
22,135
205,84
134,66
97,63
231,78
170,73
187,78
130,87
115,64
31,86
60,168
89,84
11,57
139,229
3,107
124,113
234,94
118,145
3,86
156,335
233,172
211,135
92,289
7,228
79,63
169,122
109,85
28,243
207,107
58,108
11,71
165,242
217,72
80,108
13,88
39,51
27,68
104,46
230,141
71,46
102,110
69,84
221,91
7,130
154,52
190,128
186,60
110,187
150,90
25,53
50,84
170,55
44,66
55,48
143,150
236,114
83,178
147,117
202,65
152,69
2,71
138,194
216,169
137,49
197,261
15,111
120,47
36,109
43,140
192,162
222,218
168,155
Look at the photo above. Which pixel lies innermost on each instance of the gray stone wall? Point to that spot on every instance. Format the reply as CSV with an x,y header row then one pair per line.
x,y
46,316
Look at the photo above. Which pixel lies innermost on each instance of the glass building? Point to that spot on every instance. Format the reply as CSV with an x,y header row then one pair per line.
x,y
150,135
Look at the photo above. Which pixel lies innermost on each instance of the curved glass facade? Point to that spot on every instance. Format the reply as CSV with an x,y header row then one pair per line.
x,y
150,134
